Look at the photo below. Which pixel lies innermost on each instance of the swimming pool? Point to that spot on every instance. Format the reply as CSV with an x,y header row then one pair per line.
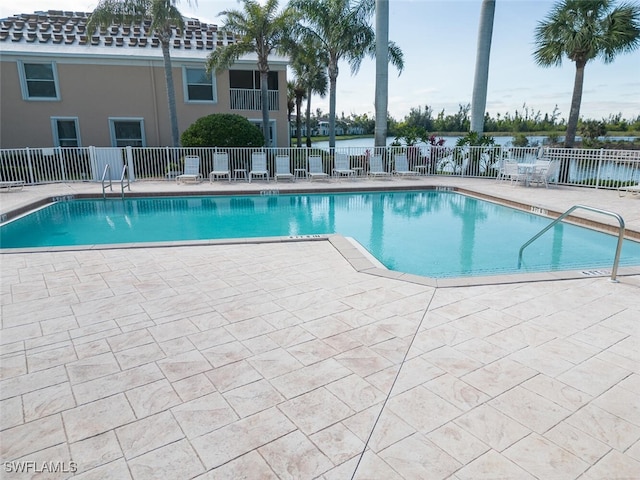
x,y
437,234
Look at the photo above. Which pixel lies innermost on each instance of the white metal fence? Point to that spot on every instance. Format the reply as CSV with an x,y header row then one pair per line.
x,y
582,167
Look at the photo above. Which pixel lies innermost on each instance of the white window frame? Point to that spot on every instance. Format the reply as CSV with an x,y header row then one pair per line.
x,y
23,82
185,83
272,129
112,128
56,133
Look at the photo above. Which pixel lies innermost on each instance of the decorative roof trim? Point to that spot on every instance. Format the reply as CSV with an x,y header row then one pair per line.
x,y
66,28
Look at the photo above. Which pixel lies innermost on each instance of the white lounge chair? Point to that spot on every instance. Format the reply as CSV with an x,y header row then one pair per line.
x,y
402,167
12,184
283,168
220,167
258,166
191,170
376,168
315,168
341,166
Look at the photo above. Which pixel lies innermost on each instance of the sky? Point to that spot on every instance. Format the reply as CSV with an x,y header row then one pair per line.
x,y
438,39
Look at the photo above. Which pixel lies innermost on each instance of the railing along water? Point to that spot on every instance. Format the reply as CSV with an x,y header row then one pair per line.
x,y
584,167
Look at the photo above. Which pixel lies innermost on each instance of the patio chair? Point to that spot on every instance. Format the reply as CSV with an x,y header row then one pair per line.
x,y
341,166
544,172
315,168
12,184
376,168
258,166
283,168
402,166
191,170
220,167
511,171
632,189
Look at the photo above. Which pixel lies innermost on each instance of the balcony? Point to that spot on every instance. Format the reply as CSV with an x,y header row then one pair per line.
x,y
248,99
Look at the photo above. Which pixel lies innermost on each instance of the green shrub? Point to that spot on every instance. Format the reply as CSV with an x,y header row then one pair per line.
x,y
222,130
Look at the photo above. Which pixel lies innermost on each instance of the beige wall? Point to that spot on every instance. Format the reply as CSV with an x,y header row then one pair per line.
x,y
95,92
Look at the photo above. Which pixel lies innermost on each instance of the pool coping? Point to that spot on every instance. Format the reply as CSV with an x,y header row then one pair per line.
x,y
358,257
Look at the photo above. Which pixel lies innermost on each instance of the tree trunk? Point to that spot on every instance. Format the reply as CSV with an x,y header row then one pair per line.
x,y
308,117
481,78
171,95
576,100
572,122
382,72
298,120
264,93
333,80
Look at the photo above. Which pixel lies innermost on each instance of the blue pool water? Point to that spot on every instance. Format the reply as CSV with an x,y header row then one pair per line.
x,y
430,233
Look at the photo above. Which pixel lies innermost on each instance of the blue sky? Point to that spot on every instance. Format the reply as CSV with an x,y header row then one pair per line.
x,y
438,38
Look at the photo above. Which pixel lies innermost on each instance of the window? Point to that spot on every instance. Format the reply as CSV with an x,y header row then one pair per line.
x,y
65,132
127,132
272,129
199,85
39,81
250,80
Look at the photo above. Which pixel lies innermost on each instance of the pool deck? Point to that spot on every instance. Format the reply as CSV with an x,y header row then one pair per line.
x,y
292,360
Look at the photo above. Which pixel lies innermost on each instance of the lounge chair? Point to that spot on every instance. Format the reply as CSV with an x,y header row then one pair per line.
x,y
402,167
315,168
376,168
191,170
12,184
342,167
258,166
220,167
283,168
632,189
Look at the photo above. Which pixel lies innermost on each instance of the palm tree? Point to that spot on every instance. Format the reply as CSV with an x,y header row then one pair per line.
x,y
481,78
342,30
164,17
308,64
583,30
260,30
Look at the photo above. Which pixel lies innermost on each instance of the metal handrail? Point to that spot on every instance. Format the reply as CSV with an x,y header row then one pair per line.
x,y
122,180
616,260
104,174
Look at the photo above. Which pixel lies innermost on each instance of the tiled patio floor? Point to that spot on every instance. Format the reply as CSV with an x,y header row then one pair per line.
x,y
283,361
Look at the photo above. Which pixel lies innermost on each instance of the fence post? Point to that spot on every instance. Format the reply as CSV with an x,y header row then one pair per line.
x,y
130,171
95,174
599,168
30,165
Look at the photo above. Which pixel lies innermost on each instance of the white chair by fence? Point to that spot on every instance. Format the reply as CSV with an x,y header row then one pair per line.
x,y
341,166
511,172
283,168
191,170
258,166
544,172
402,167
316,169
220,167
376,168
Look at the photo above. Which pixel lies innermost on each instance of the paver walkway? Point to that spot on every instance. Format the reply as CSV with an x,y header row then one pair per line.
x,y
282,361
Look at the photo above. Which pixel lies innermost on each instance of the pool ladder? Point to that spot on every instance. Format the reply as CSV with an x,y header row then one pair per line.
x,y
616,260
124,180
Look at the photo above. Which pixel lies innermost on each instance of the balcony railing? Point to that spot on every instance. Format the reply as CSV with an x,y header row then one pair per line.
x,y
246,99
585,167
